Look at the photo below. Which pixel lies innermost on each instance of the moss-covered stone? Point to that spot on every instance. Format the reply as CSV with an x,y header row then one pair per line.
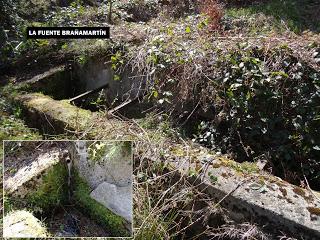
x,y
40,109
113,223
52,192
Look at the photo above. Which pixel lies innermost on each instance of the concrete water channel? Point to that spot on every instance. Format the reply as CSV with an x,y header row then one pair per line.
x,y
257,195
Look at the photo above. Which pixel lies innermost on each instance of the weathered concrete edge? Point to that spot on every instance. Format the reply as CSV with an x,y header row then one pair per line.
x,y
55,116
45,75
266,208
44,161
31,223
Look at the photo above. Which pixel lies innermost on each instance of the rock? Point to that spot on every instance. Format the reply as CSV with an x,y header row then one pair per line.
x,y
71,227
117,199
52,115
22,224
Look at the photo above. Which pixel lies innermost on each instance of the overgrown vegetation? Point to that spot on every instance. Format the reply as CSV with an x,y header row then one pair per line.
x,y
249,101
267,109
168,205
11,126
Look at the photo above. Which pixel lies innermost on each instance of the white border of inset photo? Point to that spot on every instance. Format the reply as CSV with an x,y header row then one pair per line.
x,y
67,140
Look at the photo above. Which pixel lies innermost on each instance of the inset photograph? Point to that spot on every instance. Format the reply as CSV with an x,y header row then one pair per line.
x,y
67,189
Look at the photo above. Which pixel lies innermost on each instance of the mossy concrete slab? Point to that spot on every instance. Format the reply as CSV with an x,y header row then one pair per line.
x,y
249,193
39,186
29,176
116,225
52,115
22,224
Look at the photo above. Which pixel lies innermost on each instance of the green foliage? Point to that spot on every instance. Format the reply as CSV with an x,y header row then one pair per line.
x,y
117,60
82,59
99,101
34,9
161,125
272,113
12,128
100,150
136,10
97,151
77,3
112,222
213,178
8,205
77,14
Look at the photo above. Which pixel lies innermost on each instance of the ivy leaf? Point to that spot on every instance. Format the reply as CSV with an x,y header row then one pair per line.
x,y
317,148
116,77
155,94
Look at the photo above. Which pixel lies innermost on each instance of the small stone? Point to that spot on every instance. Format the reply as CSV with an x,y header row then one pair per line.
x,y
22,224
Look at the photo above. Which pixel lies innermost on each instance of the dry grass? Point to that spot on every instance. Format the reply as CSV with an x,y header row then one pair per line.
x,y
170,205
166,204
244,231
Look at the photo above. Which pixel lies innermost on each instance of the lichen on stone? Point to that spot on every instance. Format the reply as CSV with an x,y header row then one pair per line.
x,y
22,224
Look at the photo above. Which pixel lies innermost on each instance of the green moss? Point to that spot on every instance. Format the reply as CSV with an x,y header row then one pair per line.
x,y
245,167
8,205
60,113
53,191
113,223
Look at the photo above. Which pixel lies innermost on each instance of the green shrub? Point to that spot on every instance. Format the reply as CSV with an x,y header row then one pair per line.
x,y
267,109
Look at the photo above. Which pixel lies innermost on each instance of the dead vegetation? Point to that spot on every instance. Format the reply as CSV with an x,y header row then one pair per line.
x,y
169,205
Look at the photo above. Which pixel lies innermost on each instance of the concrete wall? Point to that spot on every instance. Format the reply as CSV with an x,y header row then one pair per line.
x,y
96,73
